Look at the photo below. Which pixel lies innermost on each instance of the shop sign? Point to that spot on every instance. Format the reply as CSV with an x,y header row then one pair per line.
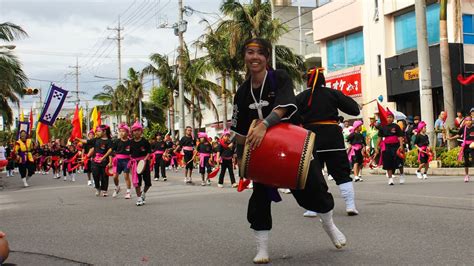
x,y
411,74
348,83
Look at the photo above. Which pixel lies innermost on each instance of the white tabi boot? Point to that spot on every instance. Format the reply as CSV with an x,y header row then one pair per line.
x,y
347,193
337,238
262,247
25,184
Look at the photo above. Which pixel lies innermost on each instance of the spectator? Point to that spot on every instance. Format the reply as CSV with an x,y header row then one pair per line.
x,y
459,119
439,129
409,131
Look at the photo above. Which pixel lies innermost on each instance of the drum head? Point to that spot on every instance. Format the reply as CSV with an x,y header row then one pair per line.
x,y
471,145
140,166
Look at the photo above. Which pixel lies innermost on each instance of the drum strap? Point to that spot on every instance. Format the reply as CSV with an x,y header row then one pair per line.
x,y
323,122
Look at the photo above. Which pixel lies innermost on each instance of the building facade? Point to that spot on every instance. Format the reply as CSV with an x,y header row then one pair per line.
x,y
369,49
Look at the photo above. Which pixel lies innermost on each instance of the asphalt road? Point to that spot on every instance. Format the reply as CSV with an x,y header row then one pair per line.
x,y
62,223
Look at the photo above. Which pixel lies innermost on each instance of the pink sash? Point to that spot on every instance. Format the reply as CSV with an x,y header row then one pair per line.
x,y
202,157
463,146
352,151
115,161
387,140
422,152
132,164
97,157
188,148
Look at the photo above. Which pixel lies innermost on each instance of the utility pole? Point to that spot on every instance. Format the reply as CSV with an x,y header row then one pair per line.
x,y
76,73
448,99
181,28
426,97
273,45
119,39
87,117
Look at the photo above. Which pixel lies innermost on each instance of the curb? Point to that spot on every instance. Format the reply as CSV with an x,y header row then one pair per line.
x,y
431,171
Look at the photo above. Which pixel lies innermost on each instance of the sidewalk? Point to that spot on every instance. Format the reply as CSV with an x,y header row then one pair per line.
x,y
431,171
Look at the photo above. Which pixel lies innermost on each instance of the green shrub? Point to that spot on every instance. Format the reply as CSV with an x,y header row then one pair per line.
x,y
411,159
450,158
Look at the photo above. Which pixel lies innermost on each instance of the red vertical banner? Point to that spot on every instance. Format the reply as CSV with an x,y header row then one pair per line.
x,y
348,83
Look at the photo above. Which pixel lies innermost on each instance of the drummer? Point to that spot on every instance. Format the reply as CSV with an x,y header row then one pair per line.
x,y
101,153
121,148
466,132
159,148
319,108
268,95
204,150
187,144
140,150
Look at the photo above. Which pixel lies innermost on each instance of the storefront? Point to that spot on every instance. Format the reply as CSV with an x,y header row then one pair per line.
x,y
403,80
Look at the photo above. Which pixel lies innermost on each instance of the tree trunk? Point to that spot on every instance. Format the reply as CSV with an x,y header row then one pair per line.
x,y
224,101
171,108
193,124
200,118
448,99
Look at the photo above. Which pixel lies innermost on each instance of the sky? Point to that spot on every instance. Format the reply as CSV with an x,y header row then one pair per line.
x,y
61,30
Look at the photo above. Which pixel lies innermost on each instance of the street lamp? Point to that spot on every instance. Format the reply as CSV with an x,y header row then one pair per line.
x,y
9,46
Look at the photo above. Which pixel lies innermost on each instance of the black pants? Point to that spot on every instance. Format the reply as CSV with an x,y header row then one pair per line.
x,y
468,155
101,179
188,155
226,164
64,169
207,167
160,163
145,176
27,169
314,197
337,164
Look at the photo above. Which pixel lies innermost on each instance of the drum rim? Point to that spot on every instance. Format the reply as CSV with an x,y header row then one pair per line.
x,y
305,161
244,164
304,164
143,166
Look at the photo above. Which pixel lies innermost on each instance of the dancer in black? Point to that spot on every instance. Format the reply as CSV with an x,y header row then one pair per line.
x,y
319,108
269,96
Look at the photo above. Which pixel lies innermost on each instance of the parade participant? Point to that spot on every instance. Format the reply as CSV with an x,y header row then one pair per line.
x,y
421,143
121,159
318,106
45,159
55,158
71,162
140,149
174,157
11,157
88,165
204,150
187,144
158,148
24,156
356,145
269,96
101,153
391,140
225,156
466,132
65,154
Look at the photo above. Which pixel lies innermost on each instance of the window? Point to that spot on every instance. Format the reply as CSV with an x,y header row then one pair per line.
x,y
344,52
379,65
405,29
468,28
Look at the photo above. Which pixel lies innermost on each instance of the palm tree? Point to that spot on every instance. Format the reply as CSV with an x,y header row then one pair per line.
x,y
113,103
133,93
195,84
217,44
161,68
12,78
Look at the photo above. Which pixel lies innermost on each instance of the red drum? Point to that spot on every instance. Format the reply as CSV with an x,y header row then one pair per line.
x,y
282,159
